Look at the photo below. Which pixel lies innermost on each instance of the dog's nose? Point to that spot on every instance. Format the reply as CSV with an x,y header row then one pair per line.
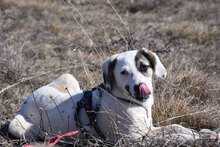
x,y
142,90
136,89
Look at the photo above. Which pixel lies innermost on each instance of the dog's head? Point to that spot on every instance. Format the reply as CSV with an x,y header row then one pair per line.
x,y
132,72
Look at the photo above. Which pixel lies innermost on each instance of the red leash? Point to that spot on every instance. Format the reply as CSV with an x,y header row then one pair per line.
x,y
57,138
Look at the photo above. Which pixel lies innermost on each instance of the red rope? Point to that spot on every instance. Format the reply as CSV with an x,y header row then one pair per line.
x,y
57,138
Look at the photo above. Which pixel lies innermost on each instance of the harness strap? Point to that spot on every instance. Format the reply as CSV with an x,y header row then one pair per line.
x,y
91,112
86,103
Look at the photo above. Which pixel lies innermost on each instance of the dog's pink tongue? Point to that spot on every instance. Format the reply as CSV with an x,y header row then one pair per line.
x,y
144,91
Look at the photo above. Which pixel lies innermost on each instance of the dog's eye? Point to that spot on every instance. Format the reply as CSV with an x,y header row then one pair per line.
x,y
143,67
124,72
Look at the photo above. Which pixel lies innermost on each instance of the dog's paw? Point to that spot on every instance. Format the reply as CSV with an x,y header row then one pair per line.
x,y
208,134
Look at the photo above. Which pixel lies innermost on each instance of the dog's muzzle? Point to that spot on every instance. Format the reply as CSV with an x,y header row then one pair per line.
x,y
142,92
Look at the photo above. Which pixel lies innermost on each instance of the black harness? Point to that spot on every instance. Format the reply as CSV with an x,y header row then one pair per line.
x,y
86,102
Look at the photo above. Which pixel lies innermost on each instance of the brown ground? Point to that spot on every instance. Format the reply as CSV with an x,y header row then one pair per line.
x,y
41,39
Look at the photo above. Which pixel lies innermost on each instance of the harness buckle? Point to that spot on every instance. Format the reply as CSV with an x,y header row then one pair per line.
x,y
85,128
80,104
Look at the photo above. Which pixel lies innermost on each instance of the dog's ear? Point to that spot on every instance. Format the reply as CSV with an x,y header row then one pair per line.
x,y
108,72
155,62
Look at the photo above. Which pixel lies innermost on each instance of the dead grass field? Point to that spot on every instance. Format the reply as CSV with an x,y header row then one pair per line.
x,y
41,39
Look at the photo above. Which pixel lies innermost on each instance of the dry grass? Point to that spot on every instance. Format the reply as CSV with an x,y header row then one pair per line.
x,y
188,97
39,40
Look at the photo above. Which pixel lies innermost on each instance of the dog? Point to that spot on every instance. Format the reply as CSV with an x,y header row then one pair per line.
x,y
124,101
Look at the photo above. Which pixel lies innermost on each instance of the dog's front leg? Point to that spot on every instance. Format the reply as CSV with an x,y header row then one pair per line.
x,y
179,134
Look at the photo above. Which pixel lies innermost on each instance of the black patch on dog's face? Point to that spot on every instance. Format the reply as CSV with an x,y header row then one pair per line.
x,y
111,67
140,61
109,77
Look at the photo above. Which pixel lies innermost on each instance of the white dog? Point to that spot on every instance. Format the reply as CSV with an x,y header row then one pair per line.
x,y
124,103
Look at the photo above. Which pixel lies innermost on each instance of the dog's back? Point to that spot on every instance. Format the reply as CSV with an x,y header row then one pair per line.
x,y
22,126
